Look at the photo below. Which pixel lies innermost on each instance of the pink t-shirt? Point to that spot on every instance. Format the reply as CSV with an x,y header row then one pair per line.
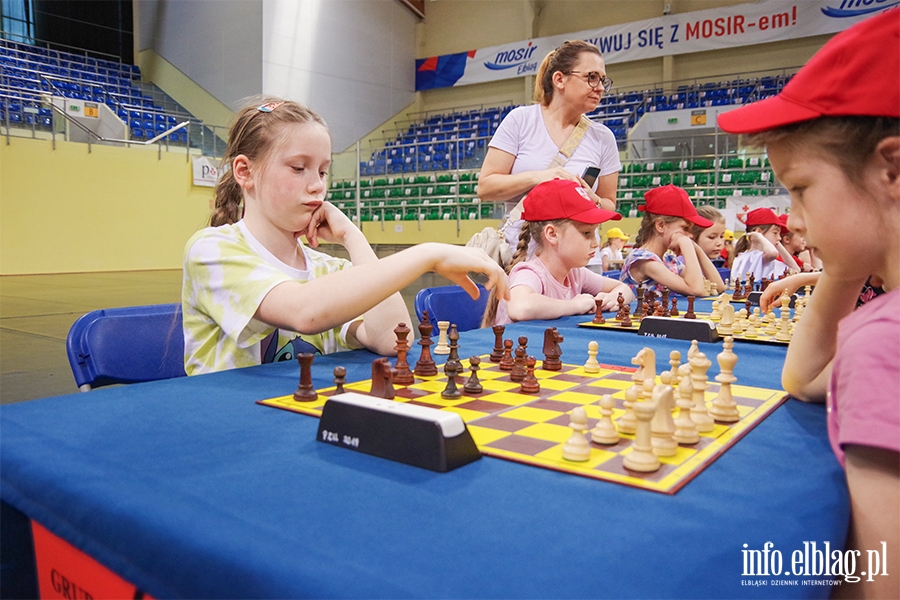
x,y
864,392
535,275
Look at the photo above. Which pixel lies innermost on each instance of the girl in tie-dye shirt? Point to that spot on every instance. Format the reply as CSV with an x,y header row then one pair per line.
x,y
254,292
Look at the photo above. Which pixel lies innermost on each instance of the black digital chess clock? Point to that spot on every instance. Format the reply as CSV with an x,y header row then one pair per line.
x,y
408,433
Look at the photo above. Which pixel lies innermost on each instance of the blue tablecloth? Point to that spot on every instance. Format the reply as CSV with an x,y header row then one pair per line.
x,y
188,488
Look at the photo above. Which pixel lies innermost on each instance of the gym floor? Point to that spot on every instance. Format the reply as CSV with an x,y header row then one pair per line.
x,y
36,312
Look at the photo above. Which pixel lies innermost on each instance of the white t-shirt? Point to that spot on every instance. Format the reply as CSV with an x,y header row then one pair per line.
x,y
227,273
609,252
523,134
753,261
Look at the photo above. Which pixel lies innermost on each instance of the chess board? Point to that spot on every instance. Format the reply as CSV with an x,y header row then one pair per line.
x,y
761,336
532,428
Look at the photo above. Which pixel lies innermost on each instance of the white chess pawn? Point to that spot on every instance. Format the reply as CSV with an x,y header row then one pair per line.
x,y
784,324
628,422
675,362
592,366
751,331
577,448
771,328
604,432
641,458
716,313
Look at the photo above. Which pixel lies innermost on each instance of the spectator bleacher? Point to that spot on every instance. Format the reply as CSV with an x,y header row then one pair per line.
x,y
403,179
27,73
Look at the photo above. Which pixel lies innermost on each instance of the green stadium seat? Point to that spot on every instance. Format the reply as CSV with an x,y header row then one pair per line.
x,y
700,164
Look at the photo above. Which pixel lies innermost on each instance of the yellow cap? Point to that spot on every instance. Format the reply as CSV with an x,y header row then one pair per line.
x,y
729,235
615,232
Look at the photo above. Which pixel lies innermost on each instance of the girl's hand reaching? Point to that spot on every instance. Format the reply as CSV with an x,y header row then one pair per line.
x,y
609,300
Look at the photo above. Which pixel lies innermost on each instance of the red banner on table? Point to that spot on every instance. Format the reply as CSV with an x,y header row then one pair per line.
x,y
64,571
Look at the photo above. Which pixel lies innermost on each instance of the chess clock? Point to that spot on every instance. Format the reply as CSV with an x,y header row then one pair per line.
x,y
415,435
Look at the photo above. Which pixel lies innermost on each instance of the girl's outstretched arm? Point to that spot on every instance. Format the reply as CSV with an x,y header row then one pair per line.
x,y
329,301
807,366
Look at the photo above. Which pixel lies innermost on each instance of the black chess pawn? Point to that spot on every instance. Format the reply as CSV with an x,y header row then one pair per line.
x,y
626,318
530,385
518,371
340,378
674,312
506,362
451,392
473,386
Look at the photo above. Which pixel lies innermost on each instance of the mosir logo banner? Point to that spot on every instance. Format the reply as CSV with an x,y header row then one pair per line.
x,y
712,29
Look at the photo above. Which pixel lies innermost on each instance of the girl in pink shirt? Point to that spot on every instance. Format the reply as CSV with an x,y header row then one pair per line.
x,y
554,283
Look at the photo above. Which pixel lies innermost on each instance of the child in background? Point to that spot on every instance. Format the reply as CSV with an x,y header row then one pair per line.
x,y
253,291
795,244
665,255
611,250
836,148
727,253
758,250
562,219
710,239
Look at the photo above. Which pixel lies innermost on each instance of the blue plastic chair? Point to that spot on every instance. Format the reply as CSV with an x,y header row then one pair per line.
x,y
126,345
451,303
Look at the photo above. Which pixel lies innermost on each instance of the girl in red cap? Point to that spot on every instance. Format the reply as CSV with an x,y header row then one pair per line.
x,y
795,243
562,219
758,251
665,254
833,139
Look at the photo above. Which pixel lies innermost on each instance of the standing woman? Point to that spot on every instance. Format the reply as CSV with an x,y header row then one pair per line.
x,y
569,83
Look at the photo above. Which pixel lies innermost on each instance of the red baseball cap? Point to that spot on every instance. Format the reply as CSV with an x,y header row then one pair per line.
x,y
763,216
564,199
854,74
672,201
782,220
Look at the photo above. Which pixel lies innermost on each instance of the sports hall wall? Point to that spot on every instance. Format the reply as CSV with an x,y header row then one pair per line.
x,y
108,209
67,210
459,25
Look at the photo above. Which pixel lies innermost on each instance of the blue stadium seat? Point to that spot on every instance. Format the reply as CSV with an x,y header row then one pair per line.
x,y
126,345
451,303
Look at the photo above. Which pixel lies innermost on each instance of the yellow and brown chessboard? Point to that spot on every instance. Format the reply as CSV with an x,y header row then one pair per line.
x,y
532,428
761,336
